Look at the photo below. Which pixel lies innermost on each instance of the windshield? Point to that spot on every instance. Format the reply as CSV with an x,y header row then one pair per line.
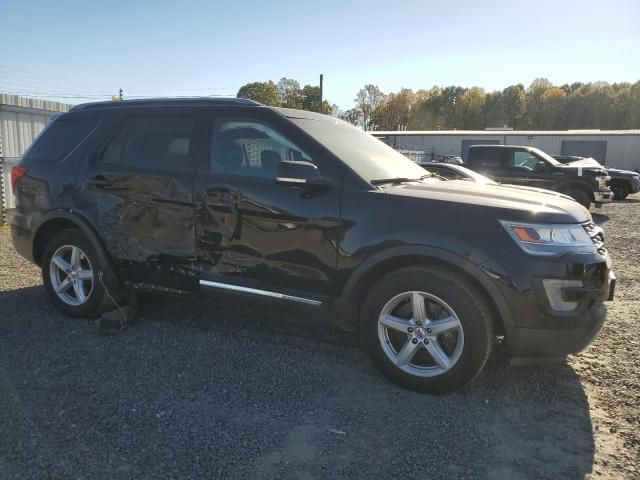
x,y
546,156
369,157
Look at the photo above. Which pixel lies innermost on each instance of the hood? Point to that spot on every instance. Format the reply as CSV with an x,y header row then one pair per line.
x,y
517,203
622,172
585,162
584,166
539,190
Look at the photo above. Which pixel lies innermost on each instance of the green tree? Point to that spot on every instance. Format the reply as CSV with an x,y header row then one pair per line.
x,y
353,116
394,112
290,93
514,104
554,104
494,114
263,92
535,103
428,110
367,100
470,109
310,100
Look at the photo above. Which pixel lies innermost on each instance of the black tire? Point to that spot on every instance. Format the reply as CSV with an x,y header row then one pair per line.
x,y
467,303
97,300
580,195
620,190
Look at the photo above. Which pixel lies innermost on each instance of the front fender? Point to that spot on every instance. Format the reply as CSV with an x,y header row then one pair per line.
x,y
347,307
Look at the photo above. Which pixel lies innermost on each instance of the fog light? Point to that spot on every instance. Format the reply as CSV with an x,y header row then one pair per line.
x,y
554,287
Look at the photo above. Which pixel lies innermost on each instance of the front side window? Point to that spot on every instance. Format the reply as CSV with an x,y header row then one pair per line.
x,y
152,142
250,148
524,161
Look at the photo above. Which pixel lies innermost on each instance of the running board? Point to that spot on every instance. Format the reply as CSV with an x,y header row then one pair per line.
x,y
255,291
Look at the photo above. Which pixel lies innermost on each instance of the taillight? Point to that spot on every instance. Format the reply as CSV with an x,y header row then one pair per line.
x,y
16,174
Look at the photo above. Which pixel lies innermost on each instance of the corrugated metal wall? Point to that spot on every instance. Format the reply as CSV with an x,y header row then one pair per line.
x,y
623,148
22,120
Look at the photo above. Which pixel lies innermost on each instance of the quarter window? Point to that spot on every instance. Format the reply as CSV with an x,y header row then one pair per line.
x,y
250,148
60,138
152,142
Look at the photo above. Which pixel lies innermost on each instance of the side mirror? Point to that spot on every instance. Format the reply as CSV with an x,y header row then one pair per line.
x,y
540,166
300,174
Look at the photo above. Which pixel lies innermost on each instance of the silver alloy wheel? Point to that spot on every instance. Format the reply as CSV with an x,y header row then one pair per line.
x,y
420,333
71,275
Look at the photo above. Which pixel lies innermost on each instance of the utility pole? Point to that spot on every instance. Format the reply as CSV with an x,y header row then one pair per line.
x,y
321,78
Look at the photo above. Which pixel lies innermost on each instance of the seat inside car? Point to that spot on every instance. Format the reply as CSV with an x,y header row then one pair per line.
x,y
229,160
269,160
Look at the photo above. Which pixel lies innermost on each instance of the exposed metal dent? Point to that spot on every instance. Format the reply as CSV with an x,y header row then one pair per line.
x,y
255,291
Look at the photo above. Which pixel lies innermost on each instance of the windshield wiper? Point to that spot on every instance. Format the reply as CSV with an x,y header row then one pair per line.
x,y
397,180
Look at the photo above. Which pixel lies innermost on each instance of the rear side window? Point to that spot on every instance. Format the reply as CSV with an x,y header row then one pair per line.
x,y
486,158
152,142
60,138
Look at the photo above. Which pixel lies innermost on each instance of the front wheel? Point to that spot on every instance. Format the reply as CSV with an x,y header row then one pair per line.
x,y
581,196
620,191
427,329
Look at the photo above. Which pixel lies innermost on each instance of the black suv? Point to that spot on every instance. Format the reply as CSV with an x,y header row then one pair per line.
x,y
623,182
521,165
302,209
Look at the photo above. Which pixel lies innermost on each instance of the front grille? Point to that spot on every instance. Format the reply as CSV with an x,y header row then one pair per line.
x,y
596,234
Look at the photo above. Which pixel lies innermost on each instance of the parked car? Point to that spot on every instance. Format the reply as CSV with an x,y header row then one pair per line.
x,y
623,182
521,165
458,172
229,197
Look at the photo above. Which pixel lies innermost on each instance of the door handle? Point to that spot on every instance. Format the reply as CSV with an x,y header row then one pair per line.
x,y
100,181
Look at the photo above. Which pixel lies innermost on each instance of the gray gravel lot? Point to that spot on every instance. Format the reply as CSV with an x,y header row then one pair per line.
x,y
218,389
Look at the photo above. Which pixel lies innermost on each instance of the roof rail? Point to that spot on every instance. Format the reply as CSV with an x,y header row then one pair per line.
x,y
166,102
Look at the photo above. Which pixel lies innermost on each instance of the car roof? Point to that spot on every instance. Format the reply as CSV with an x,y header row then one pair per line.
x,y
166,102
526,147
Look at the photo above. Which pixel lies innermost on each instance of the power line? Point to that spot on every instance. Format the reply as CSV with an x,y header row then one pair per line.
x,y
21,71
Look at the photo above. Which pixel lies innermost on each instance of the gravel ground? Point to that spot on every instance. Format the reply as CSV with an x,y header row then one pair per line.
x,y
212,389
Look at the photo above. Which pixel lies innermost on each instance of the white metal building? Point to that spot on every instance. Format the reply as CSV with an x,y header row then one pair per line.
x,y
21,121
614,148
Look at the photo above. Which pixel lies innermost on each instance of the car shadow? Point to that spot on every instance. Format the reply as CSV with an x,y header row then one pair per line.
x,y
599,218
263,392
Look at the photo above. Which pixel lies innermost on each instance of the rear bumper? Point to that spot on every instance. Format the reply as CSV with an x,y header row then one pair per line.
x,y
20,235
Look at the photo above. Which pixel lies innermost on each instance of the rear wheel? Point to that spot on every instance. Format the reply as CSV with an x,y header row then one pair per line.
x,y
620,190
581,196
427,329
71,272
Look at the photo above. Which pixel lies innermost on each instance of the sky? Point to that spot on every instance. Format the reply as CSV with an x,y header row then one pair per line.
x,y
75,51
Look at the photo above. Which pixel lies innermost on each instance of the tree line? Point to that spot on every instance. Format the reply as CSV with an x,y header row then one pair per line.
x,y
541,106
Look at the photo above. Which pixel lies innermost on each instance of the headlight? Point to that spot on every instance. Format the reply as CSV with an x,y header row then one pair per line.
x,y
603,182
550,240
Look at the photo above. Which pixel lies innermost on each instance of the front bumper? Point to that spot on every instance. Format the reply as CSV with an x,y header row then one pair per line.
x,y
603,196
540,327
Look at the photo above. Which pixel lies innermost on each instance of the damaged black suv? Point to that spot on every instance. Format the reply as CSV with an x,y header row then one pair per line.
x,y
200,196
